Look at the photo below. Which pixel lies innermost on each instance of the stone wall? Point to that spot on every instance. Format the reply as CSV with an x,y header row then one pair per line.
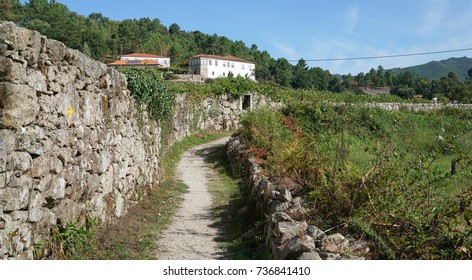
x,y
70,146
417,107
286,227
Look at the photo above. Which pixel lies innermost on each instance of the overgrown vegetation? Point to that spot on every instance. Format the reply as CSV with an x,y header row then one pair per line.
x,y
400,179
150,92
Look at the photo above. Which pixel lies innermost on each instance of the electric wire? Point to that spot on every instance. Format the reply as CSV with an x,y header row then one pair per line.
x,y
382,56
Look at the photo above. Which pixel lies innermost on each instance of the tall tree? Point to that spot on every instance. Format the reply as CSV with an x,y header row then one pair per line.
x,y
10,10
301,75
282,72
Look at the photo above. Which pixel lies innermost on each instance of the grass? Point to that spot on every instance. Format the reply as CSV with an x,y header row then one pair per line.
x,y
134,236
227,200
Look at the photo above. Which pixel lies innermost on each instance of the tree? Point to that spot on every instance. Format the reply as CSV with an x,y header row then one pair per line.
x,y
301,75
282,72
10,10
174,29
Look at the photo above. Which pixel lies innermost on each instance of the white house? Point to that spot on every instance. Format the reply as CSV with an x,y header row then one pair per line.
x,y
213,66
138,58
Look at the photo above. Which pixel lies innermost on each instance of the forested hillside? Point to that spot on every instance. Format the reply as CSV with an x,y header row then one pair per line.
x,y
437,69
105,39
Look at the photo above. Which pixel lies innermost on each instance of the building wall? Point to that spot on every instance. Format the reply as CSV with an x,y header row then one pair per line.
x,y
212,68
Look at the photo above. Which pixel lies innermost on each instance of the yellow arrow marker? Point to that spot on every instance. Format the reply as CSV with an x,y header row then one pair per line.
x,y
69,111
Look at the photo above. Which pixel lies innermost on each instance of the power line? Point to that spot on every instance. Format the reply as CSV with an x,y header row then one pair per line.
x,y
382,56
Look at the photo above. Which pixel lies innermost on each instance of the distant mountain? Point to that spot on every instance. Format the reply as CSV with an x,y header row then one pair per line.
x,y
438,69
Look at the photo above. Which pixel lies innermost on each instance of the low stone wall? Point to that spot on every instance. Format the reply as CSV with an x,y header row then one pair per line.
x,y
417,107
288,233
70,145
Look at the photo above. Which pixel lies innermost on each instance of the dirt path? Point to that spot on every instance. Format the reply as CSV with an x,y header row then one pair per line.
x,y
191,236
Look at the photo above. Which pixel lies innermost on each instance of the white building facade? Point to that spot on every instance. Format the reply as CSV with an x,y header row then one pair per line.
x,y
161,60
213,66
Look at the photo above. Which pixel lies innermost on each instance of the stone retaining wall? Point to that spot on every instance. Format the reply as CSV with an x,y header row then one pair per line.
x,y
70,145
417,107
287,230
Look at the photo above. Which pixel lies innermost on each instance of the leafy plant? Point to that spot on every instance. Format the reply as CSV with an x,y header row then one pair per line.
x,y
72,239
150,91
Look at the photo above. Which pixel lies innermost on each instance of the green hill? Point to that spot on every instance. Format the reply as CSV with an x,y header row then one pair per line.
x,y
438,69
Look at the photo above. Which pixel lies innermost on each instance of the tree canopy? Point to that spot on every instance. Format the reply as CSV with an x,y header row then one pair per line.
x,y
104,39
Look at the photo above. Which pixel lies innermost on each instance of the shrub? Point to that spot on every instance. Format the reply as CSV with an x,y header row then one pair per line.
x,y
150,91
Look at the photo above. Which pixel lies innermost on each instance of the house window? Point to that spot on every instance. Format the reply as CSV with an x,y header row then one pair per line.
x,y
232,64
216,62
224,74
242,65
209,62
224,64
213,73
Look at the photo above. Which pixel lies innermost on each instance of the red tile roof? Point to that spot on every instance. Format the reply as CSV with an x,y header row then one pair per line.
x,y
147,55
134,63
230,58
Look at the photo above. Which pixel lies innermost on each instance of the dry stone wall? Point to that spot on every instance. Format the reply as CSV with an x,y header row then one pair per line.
x,y
287,230
417,107
70,145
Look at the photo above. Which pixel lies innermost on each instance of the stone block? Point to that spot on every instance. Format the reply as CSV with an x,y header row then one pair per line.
x,y
335,243
315,232
19,161
309,256
44,164
287,230
20,105
16,194
285,196
56,189
70,211
295,247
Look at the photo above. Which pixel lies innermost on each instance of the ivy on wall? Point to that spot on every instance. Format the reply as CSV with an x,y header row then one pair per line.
x,y
150,91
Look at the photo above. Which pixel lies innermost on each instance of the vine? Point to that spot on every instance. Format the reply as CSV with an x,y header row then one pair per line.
x,y
150,92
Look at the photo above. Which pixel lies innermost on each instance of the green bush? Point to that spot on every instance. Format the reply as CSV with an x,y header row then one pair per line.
x,y
150,91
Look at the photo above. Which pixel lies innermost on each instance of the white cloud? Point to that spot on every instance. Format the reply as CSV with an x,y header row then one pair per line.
x,y
352,17
284,49
434,11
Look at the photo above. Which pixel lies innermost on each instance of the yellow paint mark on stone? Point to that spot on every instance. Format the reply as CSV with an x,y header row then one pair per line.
x,y
69,111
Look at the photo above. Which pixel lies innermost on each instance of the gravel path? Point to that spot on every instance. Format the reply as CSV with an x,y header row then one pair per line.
x,y
191,237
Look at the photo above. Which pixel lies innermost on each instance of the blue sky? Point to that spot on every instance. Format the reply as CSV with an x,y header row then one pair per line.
x,y
315,29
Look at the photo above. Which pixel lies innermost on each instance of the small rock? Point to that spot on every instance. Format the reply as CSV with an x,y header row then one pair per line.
x,y
315,232
278,206
278,217
359,248
352,258
295,247
275,195
285,196
309,256
334,243
297,202
287,230
330,256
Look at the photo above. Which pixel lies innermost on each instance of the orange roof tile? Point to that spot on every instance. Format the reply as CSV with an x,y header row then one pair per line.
x,y
134,63
144,55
